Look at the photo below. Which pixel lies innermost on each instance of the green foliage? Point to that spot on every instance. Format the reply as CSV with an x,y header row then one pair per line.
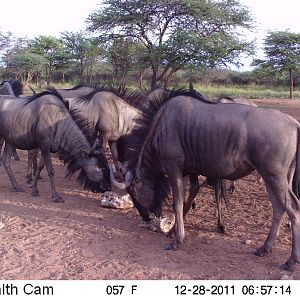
x,y
282,51
176,32
5,39
52,50
25,64
83,50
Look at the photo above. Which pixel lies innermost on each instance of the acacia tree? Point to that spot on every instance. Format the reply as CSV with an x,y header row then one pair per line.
x,y
282,51
51,48
176,32
5,39
25,64
83,51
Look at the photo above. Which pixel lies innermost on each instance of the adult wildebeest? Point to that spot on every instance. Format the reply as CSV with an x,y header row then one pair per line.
x,y
12,88
74,92
136,135
194,136
111,113
44,122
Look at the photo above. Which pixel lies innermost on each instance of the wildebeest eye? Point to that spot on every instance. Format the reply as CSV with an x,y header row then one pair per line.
x,y
137,182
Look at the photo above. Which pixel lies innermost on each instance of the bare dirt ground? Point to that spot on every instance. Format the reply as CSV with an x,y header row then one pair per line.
x,y
79,239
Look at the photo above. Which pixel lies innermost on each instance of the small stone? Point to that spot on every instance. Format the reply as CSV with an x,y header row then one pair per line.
x,y
1,225
162,224
248,242
285,276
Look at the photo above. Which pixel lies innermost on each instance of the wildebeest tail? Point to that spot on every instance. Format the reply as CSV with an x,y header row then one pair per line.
x,y
219,186
296,178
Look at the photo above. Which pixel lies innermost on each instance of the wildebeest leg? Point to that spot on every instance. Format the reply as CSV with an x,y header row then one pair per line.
x,y
232,186
15,154
1,145
278,211
115,157
283,199
176,181
40,167
32,165
48,162
218,192
6,156
29,166
193,191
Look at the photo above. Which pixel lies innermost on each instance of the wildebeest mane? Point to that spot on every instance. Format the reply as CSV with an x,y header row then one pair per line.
x,y
133,98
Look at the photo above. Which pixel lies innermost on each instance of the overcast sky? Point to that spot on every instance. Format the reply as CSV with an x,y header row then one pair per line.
x,y
39,17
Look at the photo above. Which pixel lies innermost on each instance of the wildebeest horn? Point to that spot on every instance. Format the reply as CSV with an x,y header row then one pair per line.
x,y
115,183
94,146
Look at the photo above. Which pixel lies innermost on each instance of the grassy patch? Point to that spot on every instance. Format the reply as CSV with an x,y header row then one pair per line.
x,y
246,92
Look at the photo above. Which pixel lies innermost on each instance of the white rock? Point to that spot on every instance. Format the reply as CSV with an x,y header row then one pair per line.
x,y
163,224
112,200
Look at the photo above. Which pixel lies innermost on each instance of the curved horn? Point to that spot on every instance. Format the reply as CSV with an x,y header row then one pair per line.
x,y
94,146
33,91
115,183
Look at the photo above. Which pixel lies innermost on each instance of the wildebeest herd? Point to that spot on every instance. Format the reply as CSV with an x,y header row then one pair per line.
x,y
157,141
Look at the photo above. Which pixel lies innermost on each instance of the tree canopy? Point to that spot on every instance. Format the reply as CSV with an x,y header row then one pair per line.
x,y
282,54
176,32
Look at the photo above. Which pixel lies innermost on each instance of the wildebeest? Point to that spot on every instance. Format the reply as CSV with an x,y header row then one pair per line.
x,y
12,88
135,135
111,113
190,135
44,122
74,92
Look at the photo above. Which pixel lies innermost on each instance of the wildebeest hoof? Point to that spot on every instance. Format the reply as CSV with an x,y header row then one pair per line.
x,y
35,194
171,232
17,158
221,229
18,189
290,265
57,199
261,252
171,246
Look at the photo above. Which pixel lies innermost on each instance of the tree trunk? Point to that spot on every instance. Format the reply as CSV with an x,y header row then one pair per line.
x,y
141,79
291,84
154,78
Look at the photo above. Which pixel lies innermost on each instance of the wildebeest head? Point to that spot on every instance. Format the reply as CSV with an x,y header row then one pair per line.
x,y
147,190
92,166
96,169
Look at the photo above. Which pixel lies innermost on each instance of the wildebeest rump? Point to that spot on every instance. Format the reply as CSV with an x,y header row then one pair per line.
x,y
193,136
44,122
12,88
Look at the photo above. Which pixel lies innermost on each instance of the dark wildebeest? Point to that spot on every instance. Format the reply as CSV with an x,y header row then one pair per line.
x,y
194,136
44,122
76,91
12,88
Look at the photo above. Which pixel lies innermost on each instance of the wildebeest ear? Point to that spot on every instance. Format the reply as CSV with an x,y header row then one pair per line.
x,y
84,154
